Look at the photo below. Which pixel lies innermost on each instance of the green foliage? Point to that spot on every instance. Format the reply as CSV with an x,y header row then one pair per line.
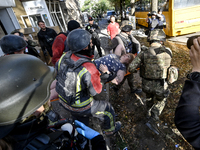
x,y
96,8
86,6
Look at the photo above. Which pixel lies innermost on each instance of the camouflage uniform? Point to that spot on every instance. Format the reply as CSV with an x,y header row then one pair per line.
x,y
154,62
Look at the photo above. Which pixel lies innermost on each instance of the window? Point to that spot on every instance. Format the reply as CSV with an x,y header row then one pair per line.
x,y
163,4
185,3
143,5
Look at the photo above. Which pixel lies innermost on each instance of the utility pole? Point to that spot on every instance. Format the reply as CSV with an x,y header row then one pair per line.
x,y
154,5
132,7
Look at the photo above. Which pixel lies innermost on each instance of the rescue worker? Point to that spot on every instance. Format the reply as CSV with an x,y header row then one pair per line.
x,y
59,45
78,80
161,18
13,44
94,30
154,63
130,45
153,23
25,82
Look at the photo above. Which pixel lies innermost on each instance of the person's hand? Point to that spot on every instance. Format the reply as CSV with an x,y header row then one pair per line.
x,y
85,130
195,55
103,68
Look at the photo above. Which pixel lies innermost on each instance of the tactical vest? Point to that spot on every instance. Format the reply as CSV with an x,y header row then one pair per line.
x,y
69,77
128,44
154,23
155,63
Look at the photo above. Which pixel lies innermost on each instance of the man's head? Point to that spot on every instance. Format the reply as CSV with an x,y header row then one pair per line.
x,y
25,87
112,18
73,24
13,44
153,14
160,11
91,20
78,40
42,25
16,32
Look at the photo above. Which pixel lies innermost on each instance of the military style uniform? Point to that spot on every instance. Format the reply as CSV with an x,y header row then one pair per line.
x,y
154,62
94,30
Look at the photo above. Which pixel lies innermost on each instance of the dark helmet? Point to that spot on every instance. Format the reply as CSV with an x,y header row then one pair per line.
x,y
25,86
126,26
78,39
12,43
153,13
157,35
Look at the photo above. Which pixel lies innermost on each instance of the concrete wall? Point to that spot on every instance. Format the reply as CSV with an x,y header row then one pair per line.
x,y
19,10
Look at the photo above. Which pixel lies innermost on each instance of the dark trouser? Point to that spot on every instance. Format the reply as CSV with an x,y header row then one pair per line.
x,y
97,43
156,96
100,109
130,79
49,49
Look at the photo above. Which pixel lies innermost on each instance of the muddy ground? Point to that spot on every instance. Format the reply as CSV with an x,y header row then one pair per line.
x,y
131,111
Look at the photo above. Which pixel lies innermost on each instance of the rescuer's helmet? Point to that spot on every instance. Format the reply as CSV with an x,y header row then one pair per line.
x,y
157,35
25,87
78,39
12,43
126,26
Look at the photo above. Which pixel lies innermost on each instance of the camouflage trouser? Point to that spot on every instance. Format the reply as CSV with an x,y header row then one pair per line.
x,y
130,79
156,96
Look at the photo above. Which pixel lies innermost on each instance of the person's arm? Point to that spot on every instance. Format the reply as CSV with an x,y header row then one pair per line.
x,y
58,47
187,117
97,29
135,63
108,30
136,43
120,50
41,41
54,33
119,77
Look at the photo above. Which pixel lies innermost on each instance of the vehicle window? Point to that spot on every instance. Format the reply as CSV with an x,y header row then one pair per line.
x,y
185,3
110,13
163,4
143,5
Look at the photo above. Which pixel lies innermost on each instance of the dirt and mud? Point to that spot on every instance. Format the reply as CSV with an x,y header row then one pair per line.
x,y
131,111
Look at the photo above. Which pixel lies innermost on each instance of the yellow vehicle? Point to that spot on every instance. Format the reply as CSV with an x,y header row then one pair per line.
x,y
182,16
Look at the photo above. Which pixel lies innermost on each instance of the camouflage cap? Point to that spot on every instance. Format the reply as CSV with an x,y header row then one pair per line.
x,y
126,22
157,35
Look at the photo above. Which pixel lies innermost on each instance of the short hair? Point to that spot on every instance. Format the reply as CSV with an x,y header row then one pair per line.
x,y
39,22
112,16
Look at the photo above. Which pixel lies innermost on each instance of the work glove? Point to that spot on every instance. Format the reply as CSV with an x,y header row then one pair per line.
x,y
85,130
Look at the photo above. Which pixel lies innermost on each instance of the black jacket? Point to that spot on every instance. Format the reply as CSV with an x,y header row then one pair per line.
x,y
93,26
187,117
46,38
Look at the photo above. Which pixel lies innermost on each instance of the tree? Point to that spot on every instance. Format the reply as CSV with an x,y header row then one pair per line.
x,y
154,5
86,6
